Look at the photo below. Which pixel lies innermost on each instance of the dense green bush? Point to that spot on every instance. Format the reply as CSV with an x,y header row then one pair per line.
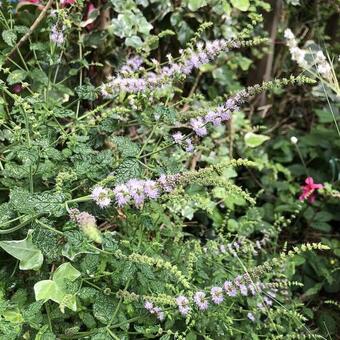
x,y
141,198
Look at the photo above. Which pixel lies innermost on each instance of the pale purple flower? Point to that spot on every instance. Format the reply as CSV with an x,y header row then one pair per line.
x,y
189,147
150,189
268,301
57,36
252,289
148,305
177,137
217,295
101,196
183,305
122,195
168,182
132,65
85,219
136,189
201,301
154,310
197,124
260,306
222,249
243,290
230,289
159,313
238,279
251,316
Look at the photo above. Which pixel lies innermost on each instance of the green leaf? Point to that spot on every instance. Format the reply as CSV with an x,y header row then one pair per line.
x,y
125,146
253,140
25,251
43,203
194,5
47,290
16,76
127,170
322,226
65,272
242,5
314,290
55,289
134,41
323,216
9,37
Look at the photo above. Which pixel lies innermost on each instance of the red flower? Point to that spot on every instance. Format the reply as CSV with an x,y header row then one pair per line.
x,y
308,190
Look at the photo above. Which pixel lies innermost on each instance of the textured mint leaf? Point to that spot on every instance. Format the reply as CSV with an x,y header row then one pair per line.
x,y
87,92
44,203
6,213
127,170
9,37
165,114
103,308
126,147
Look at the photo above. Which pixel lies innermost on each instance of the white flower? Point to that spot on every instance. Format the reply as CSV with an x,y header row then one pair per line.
x,y
293,140
288,34
320,57
324,69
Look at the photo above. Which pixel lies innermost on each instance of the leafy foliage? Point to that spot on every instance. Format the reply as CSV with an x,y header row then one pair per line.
x,y
225,215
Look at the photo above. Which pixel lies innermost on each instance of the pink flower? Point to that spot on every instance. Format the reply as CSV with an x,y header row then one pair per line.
x,y
89,9
65,3
17,88
31,1
308,190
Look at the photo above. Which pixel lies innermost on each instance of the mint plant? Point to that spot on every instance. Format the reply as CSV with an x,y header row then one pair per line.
x,y
114,222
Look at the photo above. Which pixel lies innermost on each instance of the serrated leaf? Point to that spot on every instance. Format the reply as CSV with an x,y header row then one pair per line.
x,y
9,37
103,309
126,147
43,203
127,170
253,140
16,76
25,251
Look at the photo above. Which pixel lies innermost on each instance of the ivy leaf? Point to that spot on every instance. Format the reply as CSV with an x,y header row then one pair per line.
x,y
47,290
127,170
242,5
25,251
9,37
55,289
65,272
253,140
